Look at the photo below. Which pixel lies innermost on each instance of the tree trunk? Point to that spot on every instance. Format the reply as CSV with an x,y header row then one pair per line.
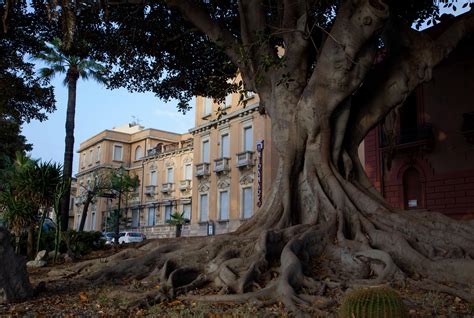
x,y
30,243
40,230
117,219
72,77
317,229
14,280
85,210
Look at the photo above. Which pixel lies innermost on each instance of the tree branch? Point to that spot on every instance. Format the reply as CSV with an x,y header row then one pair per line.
x,y
390,87
347,54
216,33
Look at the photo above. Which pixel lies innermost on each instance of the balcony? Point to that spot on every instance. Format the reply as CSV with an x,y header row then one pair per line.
x,y
167,187
150,190
78,200
245,159
202,169
221,165
412,139
185,185
135,198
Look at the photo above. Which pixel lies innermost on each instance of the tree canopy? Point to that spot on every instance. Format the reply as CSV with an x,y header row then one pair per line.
x,y
24,96
327,72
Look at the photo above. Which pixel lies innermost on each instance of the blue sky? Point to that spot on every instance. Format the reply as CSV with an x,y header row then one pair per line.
x,y
98,109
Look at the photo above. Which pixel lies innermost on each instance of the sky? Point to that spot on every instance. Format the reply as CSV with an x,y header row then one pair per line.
x,y
97,109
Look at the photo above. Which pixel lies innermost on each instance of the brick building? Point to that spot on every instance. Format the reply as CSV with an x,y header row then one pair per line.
x,y
431,164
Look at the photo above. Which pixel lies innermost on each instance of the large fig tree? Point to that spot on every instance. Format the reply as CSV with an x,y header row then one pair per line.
x,y
312,63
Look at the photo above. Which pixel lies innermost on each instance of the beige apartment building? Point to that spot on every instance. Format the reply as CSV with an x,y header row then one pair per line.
x,y
233,162
217,175
162,161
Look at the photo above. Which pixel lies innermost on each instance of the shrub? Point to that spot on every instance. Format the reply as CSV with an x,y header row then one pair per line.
x,y
81,243
373,302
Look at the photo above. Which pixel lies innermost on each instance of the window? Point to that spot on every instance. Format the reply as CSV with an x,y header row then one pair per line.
x,y
83,160
205,151
248,138
117,153
98,154
228,101
135,217
224,149
167,212
207,106
91,156
94,210
188,171
224,205
151,216
203,207
153,178
138,153
247,202
169,175
187,211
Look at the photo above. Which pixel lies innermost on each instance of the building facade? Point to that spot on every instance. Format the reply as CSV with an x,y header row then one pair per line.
x,y
430,166
161,160
217,175
233,162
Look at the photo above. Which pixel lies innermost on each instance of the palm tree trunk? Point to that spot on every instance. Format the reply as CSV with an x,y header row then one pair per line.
x,y
72,77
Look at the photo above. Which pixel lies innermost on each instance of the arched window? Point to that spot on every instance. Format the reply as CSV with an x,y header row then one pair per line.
x,y
412,191
138,153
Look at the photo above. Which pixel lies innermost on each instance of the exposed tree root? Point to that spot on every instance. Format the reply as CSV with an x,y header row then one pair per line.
x,y
298,266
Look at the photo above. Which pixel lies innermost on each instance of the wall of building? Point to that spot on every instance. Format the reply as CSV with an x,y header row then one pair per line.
x,y
445,166
233,180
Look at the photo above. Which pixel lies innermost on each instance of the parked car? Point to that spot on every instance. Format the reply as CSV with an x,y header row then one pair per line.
x,y
131,237
108,237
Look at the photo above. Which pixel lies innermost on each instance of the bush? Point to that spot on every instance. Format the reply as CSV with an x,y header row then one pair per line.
x,y
81,243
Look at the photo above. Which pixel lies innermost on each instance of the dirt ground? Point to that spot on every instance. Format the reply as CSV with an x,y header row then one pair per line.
x,y
72,297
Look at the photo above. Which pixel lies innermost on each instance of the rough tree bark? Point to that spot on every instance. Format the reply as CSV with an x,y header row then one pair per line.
x,y
72,77
14,283
323,224
85,209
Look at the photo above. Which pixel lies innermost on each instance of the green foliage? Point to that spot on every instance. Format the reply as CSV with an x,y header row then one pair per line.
x,y
373,302
178,219
82,243
24,96
59,62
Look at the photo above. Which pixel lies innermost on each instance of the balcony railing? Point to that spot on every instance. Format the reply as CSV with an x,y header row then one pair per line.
x,y
202,169
150,190
420,137
135,197
185,185
221,165
245,159
78,200
167,187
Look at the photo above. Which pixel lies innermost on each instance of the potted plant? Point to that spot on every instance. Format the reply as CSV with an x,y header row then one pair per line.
x,y
178,220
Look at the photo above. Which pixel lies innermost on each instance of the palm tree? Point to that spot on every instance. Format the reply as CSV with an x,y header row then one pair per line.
x,y
74,67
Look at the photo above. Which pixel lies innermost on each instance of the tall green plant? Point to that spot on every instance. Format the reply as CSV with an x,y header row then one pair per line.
x,y
74,67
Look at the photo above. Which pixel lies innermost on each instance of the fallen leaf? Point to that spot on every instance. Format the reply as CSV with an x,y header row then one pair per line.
x,y
174,303
83,297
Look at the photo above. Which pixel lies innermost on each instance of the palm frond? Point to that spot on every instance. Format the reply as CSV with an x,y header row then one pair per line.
x,y
47,73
